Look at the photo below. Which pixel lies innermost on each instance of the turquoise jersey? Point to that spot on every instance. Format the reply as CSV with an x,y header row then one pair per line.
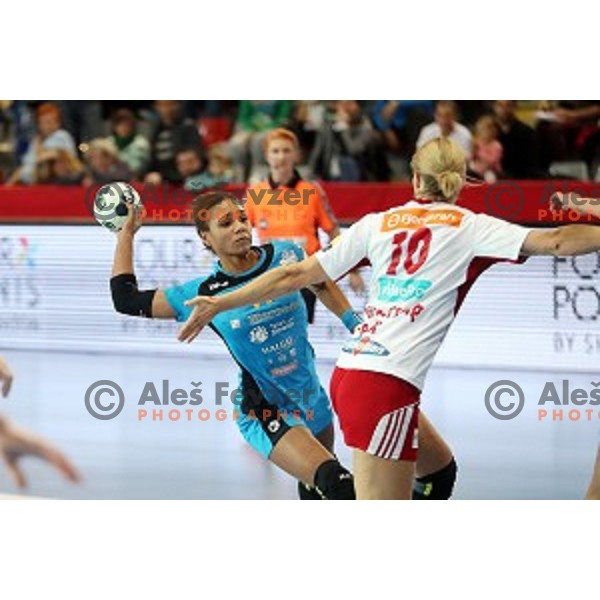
x,y
269,341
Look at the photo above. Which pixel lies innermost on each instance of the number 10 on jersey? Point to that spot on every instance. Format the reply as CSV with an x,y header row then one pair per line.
x,y
411,250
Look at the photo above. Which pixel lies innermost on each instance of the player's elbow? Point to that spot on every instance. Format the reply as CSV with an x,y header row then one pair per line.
x,y
566,241
121,298
557,241
127,299
122,306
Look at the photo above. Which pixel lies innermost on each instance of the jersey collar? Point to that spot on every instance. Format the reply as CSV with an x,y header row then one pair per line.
x,y
262,256
294,181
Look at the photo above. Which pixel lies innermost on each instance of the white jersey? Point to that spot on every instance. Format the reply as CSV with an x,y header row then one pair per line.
x,y
420,255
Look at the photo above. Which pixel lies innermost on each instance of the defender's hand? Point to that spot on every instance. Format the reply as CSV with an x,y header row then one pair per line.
x,y
561,200
15,443
205,309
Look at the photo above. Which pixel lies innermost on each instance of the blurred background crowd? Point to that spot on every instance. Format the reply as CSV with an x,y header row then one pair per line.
x,y
203,142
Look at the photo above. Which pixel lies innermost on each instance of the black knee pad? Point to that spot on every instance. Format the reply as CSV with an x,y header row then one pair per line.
x,y
438,485
334,482
308,492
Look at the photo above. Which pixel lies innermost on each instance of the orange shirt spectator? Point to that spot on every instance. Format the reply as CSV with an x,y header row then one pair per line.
x,y
285,206
278,213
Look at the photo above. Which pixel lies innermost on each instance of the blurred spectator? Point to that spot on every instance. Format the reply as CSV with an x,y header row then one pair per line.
x,y
446,125
219,162
172,133
133,147
19,126
307,120
569,131
218,172
348,149
401,121
6,140
255,119
50,137
471,110
520,150
83,119
103,164
487,150
59,167
189,164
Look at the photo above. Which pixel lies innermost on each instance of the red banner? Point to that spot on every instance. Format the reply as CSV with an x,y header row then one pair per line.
x,y
517,201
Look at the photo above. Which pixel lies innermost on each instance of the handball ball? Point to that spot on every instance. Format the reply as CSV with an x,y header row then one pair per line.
x,y
110,204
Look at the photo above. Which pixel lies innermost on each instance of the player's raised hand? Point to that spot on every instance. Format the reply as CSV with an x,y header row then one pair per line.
x,y
205,309
559,200
15,443
134,220
6,377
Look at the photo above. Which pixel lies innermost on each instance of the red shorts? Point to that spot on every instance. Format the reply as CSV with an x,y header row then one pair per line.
x,y
378,413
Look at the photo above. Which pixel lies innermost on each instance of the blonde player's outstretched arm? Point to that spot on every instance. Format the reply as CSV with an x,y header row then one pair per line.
x,y
331,296
271,284
569,240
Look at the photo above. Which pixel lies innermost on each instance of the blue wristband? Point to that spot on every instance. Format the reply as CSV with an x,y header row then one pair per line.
x,y
351,319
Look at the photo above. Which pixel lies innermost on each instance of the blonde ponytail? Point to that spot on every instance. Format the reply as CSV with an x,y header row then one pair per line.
x,y
450,184
441,165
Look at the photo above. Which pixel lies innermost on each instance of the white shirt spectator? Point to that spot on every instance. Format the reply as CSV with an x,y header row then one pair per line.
x,y
58,140
460,134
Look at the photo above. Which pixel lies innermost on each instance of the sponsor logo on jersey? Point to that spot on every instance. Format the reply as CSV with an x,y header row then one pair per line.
x,y
259,335
288,257
274,426
282,326
285,369
273,313
217,285
394,289
415,218
365,345
391,312
284,344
